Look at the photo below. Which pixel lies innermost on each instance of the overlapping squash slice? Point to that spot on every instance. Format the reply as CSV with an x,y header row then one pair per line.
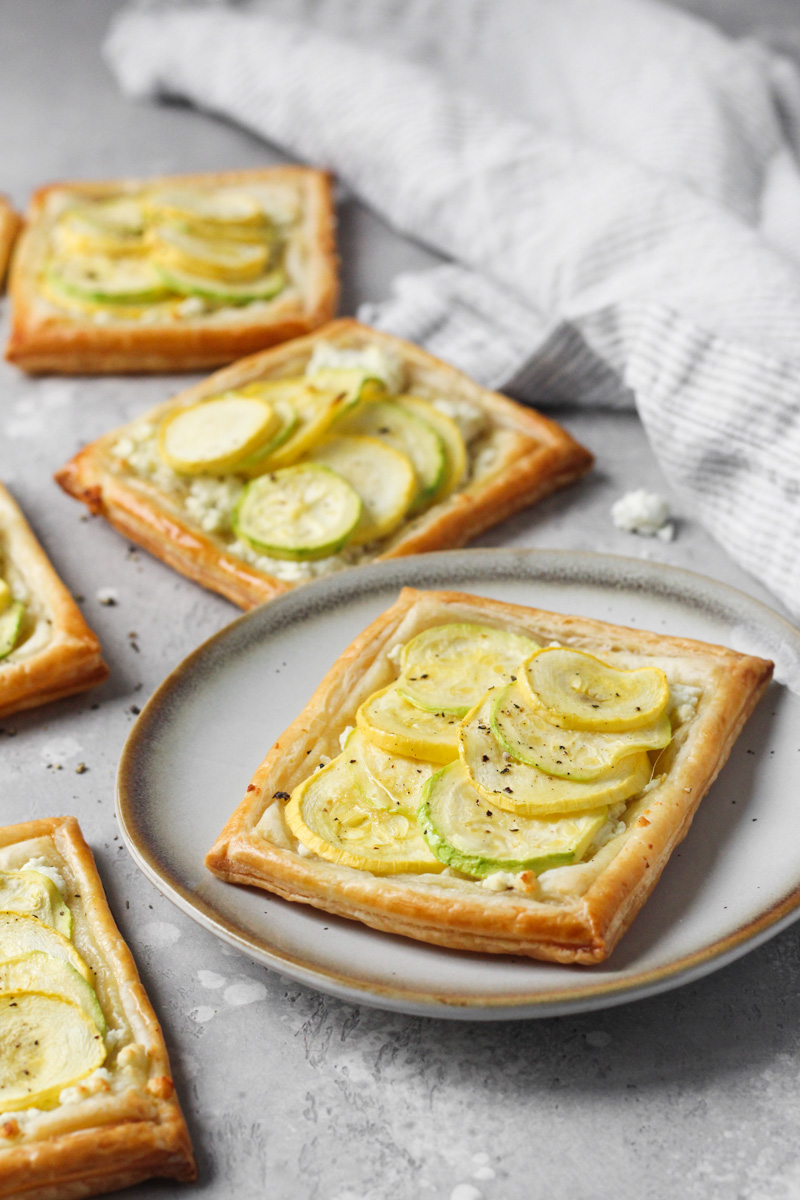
x,y
414,437
301,512
401,776
455,447
217,434
334,814
464,831
381,475
399,727
33,893
21,933
40,972
12,619
46,1044
518,792
519,788
573,754
577,690
136,251
449,667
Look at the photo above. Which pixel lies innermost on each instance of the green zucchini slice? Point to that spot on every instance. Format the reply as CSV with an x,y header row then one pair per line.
x,y
301,512
448,668
187,283
40,972
466,832
11,621
408,433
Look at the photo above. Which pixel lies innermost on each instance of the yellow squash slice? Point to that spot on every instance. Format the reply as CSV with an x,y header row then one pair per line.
x,y
332,815
411,435
382,476
20,934
215,435
397,726
519,788
402,777
217,207
46,1044
575,754
219,258
579,691
448,668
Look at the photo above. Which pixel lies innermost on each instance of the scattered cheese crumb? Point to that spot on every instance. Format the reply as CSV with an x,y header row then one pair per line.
x,y
373,359
345,734
394,654
645,513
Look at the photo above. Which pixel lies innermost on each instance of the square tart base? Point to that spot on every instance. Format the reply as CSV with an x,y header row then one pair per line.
x,y
585,920
536,458
70,661
113,1139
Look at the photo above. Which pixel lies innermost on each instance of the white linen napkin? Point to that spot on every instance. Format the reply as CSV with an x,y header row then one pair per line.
x,y
635,239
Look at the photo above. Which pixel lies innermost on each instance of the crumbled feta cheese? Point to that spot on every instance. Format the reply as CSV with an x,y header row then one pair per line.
x,y
192,306
504,881
344,735
683,699
99,1081
378,362
395,653
655,782
210,502
43,867
470,418
643,512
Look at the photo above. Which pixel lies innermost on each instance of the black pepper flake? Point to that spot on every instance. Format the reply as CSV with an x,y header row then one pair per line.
x,y
280,795
509,790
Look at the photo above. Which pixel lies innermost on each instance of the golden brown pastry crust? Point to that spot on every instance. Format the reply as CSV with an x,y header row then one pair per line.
x,y
538,457
70,661
131,1137
10,224
579,928
44,340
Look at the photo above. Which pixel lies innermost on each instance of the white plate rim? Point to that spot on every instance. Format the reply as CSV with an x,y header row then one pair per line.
x,y
345,986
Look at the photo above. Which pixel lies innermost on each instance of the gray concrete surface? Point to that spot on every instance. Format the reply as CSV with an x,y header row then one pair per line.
x,y
289,1094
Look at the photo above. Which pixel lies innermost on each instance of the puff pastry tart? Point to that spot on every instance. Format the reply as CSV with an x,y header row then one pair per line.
x,y
87,1104
46,648
9,227
491,777
339,448
173,273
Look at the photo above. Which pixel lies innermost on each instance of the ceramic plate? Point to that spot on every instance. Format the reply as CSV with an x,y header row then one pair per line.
x,y
734,882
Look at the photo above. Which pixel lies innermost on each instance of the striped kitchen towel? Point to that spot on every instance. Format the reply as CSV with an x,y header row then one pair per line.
x,y
624,226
